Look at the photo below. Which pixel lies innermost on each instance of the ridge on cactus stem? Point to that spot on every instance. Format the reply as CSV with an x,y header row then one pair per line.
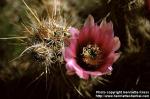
x,y
92,50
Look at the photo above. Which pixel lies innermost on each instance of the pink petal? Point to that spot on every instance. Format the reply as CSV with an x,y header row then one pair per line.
x,y
68,54
72,66
116,43
95,33
89,21
107,45
110,68
73,46
82,74
107,27
95,73
70,73
74,32
86,31
107,63
117,55
84,35
105,37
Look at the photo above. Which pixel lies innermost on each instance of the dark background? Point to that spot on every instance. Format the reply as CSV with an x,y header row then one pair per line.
x,y
131,19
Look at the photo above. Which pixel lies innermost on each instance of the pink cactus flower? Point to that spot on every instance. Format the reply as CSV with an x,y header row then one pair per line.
x,y
92,50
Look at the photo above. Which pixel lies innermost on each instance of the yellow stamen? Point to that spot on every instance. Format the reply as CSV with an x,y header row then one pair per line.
x,y
92,54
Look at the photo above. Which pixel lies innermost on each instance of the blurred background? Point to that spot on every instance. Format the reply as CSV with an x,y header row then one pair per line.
x,y
131,19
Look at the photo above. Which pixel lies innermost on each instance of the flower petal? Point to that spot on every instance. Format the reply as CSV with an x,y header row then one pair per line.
x,y
82,74
107,63
106,30
72,66
102,36
117,55
116,43
67,53
69,67
89,21
86,31
74,32
107,27
70,72
95,73
105,36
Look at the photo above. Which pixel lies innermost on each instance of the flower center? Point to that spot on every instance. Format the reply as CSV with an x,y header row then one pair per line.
x,y
92,55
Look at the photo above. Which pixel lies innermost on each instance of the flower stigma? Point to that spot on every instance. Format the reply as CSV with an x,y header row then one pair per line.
x,y
92,55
